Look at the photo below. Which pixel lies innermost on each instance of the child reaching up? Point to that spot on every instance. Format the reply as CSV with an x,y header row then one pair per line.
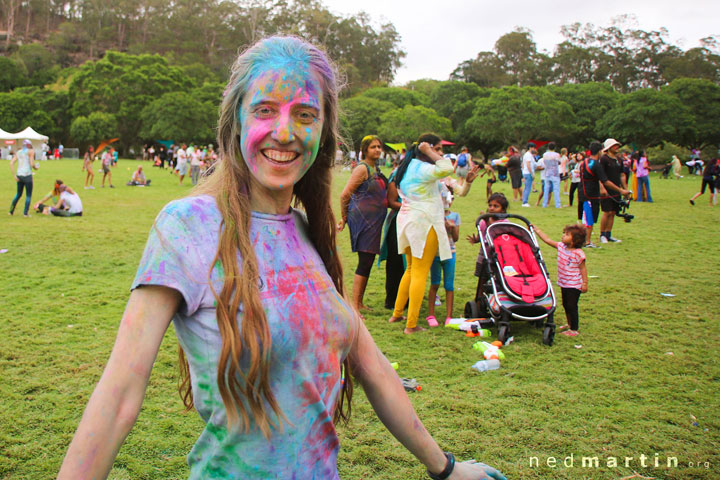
x,y
572,277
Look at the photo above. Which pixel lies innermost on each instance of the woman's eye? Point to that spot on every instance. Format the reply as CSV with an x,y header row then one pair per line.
x,y
263,111
306,116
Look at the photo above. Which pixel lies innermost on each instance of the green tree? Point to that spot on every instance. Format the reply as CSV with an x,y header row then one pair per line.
x,y
408,123
513,115
397,96
94,128
647,118
361,116
39,63
702,99
15,109
12,74
589,102
124,85
179,117
486,70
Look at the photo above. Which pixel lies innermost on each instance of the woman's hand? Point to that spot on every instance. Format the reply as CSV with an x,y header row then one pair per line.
x,y
473,470
472,173
425,148
473,239
341,225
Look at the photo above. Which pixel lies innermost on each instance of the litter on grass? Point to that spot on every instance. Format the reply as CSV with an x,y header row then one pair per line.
x,y
3,250
667,294
578,346
594,276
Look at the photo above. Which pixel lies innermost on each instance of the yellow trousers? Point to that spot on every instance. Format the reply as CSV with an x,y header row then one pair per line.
x,y
414,280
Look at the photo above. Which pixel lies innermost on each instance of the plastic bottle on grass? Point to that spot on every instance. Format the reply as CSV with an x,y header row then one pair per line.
x,y
486,365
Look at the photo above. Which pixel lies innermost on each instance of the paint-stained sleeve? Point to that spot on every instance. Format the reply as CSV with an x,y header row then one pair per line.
x,y
440,169
172,258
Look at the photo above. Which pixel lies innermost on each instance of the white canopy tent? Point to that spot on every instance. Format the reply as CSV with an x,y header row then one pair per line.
x,y
36,138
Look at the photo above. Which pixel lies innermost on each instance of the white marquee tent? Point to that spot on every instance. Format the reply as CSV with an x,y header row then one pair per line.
x,y
29,134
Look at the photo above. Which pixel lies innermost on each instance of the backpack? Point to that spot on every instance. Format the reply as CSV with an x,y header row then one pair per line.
x,y
462,160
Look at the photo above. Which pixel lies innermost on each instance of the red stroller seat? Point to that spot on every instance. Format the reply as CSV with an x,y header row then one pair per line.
x,y
519,268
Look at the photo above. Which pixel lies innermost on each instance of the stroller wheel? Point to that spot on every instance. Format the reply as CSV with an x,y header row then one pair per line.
x,y
471,310
549,335
503,333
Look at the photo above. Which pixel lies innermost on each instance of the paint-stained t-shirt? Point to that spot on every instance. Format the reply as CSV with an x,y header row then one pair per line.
x,y
310,326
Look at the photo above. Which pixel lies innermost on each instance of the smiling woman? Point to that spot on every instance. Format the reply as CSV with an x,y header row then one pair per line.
x,y
254,289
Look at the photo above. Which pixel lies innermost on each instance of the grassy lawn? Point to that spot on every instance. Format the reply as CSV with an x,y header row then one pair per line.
x,y
645,381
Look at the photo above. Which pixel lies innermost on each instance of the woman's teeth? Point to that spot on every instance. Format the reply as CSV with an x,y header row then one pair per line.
x,y
280,155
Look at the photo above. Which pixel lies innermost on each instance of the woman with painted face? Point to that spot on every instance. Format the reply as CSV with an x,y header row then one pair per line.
x,y
363,205
420,223
254,289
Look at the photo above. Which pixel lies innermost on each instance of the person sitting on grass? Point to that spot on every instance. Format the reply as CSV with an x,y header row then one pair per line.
x,y
572,276
138,178
53,195
69,204
497,203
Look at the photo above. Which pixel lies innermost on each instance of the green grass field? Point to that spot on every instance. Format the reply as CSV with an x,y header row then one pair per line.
x,y
645,381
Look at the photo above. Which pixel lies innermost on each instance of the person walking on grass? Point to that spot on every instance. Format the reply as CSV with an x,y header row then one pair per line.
x,y
572,276
551,163
106,160
363,207
710,170
255,290
182,163
25,159
88,160
528,172
515,171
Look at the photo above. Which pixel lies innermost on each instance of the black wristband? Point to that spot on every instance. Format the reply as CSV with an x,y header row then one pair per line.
x,y
449,467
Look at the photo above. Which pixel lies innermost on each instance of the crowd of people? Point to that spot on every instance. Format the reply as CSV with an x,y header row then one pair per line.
x,y
182,159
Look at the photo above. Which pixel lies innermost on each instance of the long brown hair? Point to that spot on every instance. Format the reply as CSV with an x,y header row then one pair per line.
x,y
230,185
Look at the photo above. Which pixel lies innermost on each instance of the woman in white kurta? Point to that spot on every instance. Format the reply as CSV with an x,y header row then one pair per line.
x,y
420,223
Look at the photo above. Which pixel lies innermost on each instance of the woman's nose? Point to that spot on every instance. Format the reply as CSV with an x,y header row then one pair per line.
x,y
283,131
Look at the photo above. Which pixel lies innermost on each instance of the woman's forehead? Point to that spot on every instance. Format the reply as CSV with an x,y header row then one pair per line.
x,y
284,84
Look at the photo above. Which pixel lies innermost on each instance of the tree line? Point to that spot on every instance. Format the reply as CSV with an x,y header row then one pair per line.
x,y
685,112
44,36
626,57
174,90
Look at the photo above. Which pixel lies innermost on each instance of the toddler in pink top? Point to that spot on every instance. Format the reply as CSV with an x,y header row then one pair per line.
x,y
571,272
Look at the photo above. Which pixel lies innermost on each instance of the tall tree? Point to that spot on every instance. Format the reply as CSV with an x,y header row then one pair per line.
x,y
702,99
648,117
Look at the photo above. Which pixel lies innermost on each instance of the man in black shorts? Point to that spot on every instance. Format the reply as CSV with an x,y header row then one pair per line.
x,y
616,186
592,188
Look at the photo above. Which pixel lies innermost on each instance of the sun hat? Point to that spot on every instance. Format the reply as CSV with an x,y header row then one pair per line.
x,y
609,143
27,143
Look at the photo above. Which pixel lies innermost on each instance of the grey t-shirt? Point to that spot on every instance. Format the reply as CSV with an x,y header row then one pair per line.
x,y
309,321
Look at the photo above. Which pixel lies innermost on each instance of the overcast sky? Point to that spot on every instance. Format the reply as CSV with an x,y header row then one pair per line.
x,y
439,34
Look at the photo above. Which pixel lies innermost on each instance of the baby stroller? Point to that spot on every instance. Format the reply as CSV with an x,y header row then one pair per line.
x,y
514,283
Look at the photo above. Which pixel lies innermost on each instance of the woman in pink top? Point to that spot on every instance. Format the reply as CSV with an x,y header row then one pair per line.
x,y
642,172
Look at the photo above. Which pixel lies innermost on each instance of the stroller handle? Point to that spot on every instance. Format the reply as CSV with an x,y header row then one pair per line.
x,y
502,216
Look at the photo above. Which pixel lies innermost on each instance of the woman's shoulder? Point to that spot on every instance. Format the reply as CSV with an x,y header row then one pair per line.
x,y
194,209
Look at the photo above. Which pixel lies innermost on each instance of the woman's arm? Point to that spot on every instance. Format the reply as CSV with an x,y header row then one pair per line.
x,y
13,159
544,237
392,196
357,177
115,403
389,400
